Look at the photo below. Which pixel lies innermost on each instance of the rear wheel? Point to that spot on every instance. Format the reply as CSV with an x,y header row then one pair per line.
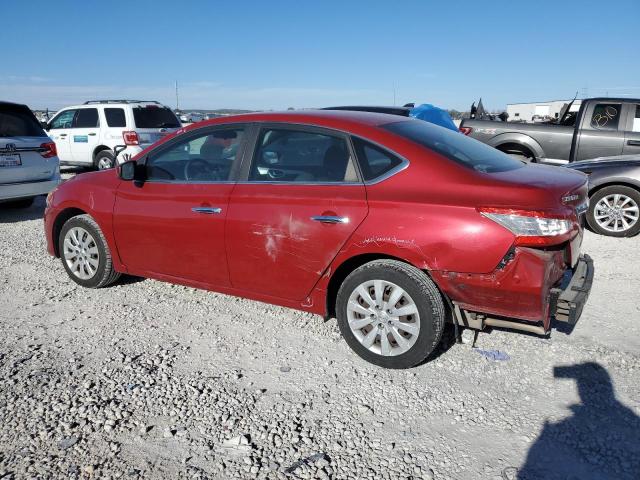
x,y
615,211
85,254
390,313
104,160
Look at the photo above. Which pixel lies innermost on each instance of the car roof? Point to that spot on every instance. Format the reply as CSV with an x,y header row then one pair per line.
x,y
325,118
12,104
111,104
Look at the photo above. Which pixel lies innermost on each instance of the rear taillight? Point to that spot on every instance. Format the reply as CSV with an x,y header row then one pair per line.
x,y
465,130
130,138
532,228
48,150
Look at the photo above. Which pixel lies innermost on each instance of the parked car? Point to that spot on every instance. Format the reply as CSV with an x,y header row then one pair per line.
x,y
391,224
87,134
603,127
28,162
614,191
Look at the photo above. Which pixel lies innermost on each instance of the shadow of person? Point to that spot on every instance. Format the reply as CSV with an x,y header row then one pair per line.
x,y
601,440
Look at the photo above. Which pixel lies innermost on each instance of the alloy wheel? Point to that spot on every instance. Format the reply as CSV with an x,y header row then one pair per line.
x,y
104,163
383,317
81,253
616,212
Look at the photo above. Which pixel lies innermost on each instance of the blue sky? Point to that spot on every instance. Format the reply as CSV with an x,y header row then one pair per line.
x,y
278,54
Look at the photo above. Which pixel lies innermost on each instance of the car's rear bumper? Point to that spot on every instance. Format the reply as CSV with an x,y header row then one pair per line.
x,y
532,286
16,191
568,299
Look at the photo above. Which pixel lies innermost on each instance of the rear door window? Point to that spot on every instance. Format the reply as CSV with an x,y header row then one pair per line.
x,y
455,146
289,155
63,120
115,117
18,121
154,117
606,116
375,162
86,118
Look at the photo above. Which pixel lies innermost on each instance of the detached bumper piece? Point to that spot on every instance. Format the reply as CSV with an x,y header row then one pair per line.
x,y
568,301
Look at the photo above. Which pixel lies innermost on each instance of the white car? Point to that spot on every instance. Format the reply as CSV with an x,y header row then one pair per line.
x,y
28,163
87,134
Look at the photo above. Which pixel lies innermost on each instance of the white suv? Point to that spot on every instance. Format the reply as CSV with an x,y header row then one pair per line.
x,y
86,135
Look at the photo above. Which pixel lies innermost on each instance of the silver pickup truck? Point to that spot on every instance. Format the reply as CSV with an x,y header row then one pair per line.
x,y
603,127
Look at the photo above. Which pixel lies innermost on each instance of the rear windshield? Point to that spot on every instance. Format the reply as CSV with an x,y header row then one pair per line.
x,y
155,117
455,146
18,121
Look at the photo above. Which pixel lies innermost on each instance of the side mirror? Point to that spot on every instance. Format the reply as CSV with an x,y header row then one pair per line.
x,y
127,170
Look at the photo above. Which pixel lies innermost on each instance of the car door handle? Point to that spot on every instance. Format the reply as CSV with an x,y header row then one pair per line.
x,y
206,210
635,143
330,219
92,134
63,134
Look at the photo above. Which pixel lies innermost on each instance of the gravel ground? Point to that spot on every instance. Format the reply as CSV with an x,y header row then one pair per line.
x,y
150,380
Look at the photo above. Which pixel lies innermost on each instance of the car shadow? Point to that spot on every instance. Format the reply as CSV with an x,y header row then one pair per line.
x,y
600,440
11,214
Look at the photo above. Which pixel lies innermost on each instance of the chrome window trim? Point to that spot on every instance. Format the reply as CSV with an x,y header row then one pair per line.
x,y
404,162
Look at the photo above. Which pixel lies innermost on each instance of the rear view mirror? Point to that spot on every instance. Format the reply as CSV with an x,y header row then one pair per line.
x,y
127,170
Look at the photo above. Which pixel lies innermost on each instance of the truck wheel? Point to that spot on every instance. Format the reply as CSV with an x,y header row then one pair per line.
x,y
104,160
85,254
614,211
390,313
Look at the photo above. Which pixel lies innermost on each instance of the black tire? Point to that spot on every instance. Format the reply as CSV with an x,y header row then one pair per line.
x,y
22,203
633,194
105,273
102,159
425,295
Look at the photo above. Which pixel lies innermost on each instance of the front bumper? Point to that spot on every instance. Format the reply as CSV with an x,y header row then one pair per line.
x,y
568,300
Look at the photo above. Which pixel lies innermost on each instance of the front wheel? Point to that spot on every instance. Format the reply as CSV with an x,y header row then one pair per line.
x,y
390,313
614,211
85,254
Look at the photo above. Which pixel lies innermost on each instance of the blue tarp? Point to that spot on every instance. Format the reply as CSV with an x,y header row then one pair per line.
x,y
432,114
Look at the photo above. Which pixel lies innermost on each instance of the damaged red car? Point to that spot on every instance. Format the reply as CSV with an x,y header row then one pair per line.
x,y
392,225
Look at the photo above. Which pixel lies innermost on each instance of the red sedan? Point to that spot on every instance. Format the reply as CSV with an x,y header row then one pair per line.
x,y
392,225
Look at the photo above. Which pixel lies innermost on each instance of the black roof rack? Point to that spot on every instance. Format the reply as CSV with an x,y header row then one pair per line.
x,y
88,102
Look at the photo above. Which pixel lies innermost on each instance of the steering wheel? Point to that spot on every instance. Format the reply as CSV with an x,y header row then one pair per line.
x,y
198,169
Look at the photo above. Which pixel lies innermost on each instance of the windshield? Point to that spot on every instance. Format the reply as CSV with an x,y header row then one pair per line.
x,y
18,121
455,146
155,117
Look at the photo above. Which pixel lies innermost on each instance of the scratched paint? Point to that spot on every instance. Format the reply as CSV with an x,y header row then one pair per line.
x,y
288,232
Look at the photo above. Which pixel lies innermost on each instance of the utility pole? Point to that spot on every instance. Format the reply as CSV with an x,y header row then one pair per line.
x,y
177,101
394,94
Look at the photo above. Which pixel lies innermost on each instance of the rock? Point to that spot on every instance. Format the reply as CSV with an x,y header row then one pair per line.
x,y
285,369
68,442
